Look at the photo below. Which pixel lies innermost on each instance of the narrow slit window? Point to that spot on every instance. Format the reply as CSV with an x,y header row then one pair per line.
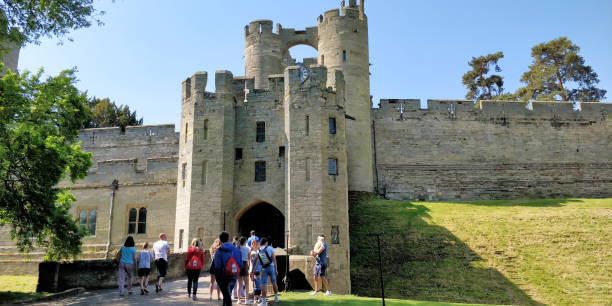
x,y
332,166
184,173
307,125
332,125
205,132
344,55
204,173
322,60
307,168
281,151
261,132
238,154
186,131
260,171
181,238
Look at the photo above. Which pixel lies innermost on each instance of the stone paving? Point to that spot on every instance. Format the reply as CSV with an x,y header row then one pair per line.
x,y
174,293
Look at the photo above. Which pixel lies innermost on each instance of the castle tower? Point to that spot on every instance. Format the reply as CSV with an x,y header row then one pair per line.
x,y
205,166
317,179
343,46
10,57
262,52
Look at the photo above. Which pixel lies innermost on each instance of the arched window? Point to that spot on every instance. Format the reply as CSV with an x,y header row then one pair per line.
x,y
132,221
92,222
87,220
142,220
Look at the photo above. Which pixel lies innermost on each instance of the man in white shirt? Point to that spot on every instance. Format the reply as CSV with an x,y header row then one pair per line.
x,y
161,250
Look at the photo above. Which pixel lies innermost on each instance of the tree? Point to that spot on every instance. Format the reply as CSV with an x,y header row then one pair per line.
x,y
39,122
482,86
26,21
108,114
559,73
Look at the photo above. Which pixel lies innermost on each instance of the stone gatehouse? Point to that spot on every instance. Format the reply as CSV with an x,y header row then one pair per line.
x,y
279,149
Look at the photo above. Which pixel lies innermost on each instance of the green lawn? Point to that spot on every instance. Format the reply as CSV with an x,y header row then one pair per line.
x,y
303,298
16,288
490,252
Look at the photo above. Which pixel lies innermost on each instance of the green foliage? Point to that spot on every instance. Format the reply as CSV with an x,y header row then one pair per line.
x,y
559,73
27,21
480,84
39,122
108,114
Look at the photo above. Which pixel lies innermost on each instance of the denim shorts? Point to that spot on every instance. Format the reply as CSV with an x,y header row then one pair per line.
x,y
269,271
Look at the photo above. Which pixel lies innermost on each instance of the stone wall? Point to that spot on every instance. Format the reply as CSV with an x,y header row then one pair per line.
x,y
493,150
97,274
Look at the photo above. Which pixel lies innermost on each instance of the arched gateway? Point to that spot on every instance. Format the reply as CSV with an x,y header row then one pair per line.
x,y
266,220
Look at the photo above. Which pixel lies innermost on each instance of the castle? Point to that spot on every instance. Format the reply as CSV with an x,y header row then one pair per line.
x,y
280,149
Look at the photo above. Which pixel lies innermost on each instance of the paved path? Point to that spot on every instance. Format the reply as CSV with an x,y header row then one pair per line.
x,y
175,293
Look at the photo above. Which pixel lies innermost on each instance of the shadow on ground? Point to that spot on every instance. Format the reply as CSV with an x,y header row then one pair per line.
x,y
422,261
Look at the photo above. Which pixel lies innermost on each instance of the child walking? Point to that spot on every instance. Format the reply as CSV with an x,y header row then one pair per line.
x,y
145,258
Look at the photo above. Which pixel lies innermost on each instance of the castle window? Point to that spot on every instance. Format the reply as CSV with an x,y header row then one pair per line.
x,y
184,173
332,125
205,132
204,172
87,220
261,132
238,154
137,220
335,234
322,60
186,131
307,169
281,151
332,166
181,232
260,171
344,55
307,125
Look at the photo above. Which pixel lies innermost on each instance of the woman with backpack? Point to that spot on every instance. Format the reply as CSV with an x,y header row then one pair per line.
x,y
127,258
194,261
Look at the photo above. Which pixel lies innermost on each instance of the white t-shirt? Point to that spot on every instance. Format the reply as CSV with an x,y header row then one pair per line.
x,y
161,248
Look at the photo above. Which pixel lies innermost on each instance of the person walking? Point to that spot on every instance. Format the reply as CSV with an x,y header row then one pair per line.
x,y
212,250
243,281
194,261
253,237
161,250
255,271
320,268
145,257
268,269
126,257
226,267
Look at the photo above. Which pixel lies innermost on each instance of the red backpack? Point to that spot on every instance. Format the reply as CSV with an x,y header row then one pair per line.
x,y
195,262
232,268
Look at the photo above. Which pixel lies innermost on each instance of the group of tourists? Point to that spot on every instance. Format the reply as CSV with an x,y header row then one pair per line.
x,y
236,266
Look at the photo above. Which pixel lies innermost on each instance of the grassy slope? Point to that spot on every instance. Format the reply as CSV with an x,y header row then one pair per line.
x,y
496,252
15,288
298,299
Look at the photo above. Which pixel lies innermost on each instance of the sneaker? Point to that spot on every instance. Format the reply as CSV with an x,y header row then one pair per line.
x,y
195,298
146,290
263,303
141,291
188,295
328,293
314,293
276,298
156,288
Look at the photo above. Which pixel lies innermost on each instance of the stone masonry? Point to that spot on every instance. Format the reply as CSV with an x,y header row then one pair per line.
x,y
279,149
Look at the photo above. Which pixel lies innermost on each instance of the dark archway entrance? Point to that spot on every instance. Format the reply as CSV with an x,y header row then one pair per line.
x,y
266,220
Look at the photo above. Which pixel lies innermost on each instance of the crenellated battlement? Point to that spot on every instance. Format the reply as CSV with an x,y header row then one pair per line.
x,y
352,11
132,134
465,109
261,26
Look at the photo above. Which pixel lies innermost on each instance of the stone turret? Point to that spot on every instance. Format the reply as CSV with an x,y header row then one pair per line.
x,y
262,52
343,46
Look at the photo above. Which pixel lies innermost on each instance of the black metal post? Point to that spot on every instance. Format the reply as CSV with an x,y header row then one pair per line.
x,y
382,283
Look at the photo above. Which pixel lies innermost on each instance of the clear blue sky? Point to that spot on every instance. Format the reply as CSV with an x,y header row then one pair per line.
x,y
418,49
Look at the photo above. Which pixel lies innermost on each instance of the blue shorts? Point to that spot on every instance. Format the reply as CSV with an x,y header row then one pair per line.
x,y
319,269
269,271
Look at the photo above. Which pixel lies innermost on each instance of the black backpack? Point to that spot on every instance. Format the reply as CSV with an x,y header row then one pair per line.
x,y
265,261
